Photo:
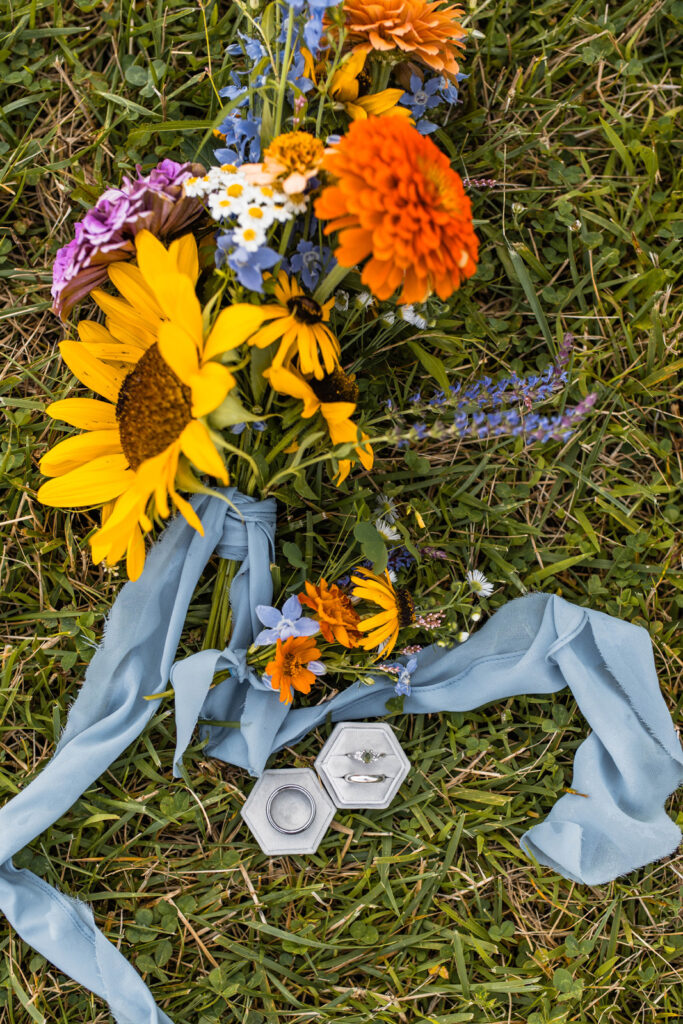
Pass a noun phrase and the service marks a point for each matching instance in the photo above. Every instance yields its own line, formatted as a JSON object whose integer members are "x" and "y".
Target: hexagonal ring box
{"x": 362, "y": 765}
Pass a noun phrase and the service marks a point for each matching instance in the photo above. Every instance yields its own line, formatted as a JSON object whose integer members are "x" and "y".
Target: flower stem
{"x": 284, "y": 71}
{"x": 330, "y": 282}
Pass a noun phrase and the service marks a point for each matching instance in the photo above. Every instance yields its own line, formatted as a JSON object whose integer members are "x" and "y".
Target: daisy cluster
{"x": 251, "y": 209}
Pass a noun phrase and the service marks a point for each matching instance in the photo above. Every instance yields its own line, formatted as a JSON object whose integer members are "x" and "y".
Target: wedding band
{"x": 366, "y": 756}
{"x": 290, "y": 809}
{"x": 365, "y": 778}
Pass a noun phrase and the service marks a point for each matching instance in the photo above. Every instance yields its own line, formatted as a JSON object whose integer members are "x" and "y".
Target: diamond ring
{"x": 366, "y": 756}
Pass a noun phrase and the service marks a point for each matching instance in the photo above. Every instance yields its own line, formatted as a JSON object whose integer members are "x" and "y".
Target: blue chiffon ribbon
{"x": 623, "y": 772}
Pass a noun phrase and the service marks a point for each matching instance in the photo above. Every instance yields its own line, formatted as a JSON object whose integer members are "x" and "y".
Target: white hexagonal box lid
{"x": 288, "y": 811}
{"x": 362, "y": 764}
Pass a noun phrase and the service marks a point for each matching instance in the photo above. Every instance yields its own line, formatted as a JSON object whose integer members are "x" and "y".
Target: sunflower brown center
{"x": 305, "y": 309}
{"x": 405, "y": 606}
{"x": 335, "y": 387}
{"x": 153, "y": 408}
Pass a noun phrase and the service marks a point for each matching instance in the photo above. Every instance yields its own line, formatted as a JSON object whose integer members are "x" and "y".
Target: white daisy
{"x": 386, "y": 507}
{"x": 479, "y": 583}
{"x": 411, "y": 317}
{"x": 386, "y": 530}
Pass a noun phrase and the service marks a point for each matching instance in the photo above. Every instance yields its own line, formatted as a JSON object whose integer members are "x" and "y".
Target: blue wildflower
{"x": 282, "y": 625}
{"x": 310, "y": 261}
{"x": 248, "y": 266}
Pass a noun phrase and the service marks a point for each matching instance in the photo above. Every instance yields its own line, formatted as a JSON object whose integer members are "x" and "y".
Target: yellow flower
{"x": 157, "y": 375}
{"x": 300, "y": 322}
{"x": 335, "y": 397}
{"x": 289, "y": 162}
{"x": 397, "y": 612}
{"x": 347, "y": 85}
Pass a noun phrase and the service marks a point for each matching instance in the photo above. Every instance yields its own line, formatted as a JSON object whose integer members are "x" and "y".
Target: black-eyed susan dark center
{"x": 153, "y": 408}
{"x": 305, "y": 309}
{"x": 335, "y": 387}
{"x": 405, "y": 606}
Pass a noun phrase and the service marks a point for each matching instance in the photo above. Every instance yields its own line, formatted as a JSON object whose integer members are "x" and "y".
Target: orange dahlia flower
{"x": 423, "y": 28}
{"x": 294, "y": 666}
{"x": 334, "y": 613}
{"x": 396, "y": 199}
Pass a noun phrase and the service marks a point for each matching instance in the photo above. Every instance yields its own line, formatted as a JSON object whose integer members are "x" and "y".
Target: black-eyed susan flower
{"x": 398, "y": 610}
{"x": 351, "y": 84}
{"x": 157, "y": 374}
{"x": 334, "y": 396}
{"x": 300, "y": 323}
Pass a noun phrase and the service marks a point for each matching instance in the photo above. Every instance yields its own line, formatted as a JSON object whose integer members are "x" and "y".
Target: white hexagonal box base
{"x": 288, "y": 811}
{"x": 362, "y": 764}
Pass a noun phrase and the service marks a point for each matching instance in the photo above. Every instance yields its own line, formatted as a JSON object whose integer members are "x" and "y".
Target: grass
{"x": 571, "y": 107}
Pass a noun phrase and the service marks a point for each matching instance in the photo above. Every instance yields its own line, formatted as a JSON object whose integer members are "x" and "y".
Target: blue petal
{"x": 291, "y": 609}
{"x": 266, "y": 637}
{"x": 307, "y": 627}
{"x": 317, "y": 668}
{"x": 268, "y": 616}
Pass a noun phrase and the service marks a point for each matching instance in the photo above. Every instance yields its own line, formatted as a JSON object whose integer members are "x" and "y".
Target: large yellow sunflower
{"x": 156, "y": 372}
{"x": 301, "y": 323}
{"x": 398, "y": 610}
{"x": 334, "y": 396}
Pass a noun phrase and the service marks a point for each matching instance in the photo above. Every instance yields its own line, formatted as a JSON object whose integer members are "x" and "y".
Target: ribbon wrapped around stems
{"x": 627, "y": 767}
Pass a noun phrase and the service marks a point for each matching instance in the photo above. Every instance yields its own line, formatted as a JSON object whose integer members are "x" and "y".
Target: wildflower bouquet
{"x": 222, "y": 347}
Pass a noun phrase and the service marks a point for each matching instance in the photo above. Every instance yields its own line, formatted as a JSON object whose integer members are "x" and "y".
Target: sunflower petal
{"x": 128, "y": 280}
{"x": 76, "y": 451}
{"x": 197, "y": 445}
{"x": 184, "y": 253}
{"x": 101, "y": 480}
{"x": 96, "y": 375}
{"x": 178, "y": 350}
{"x": 84, "y": 413}
{"x": 233, "y": 326}
{"x": 209, "y": 388}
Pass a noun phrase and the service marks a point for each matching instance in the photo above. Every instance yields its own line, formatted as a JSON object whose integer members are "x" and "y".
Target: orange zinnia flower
{"x": 397, "y": 200}
{"x": 294, "y": 666}
{"x": 422, "y": 28}
{"x": 334, "y": 613}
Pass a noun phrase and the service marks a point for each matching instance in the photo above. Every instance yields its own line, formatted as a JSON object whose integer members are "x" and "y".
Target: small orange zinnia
{"x": 334, "y": 612}
{"x": 397, "y": 200}
{"x": 294, "y": 666}
{"x": 425, "y": 29}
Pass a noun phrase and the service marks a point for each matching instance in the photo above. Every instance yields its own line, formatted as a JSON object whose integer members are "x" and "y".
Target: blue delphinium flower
{"x": 310, "y": 261}
{"x": 281, "y": 625}
{"x": 403, "y": 687}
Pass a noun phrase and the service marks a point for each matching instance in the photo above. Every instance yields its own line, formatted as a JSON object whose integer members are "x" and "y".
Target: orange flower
{"x": 423, "y": 28}
{"x": 336, "y": 616}
{"x": 397, "y": 200}
{"x": 290, "y": 161}
{"x": 294, "y": 667}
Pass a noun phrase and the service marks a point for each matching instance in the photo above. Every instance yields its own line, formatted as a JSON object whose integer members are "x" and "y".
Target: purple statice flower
{"x": 248, "y": 266}
{"x": 281, "y": 625}
{"x": 105, "y": 234}
{"x": 310, "y": 261}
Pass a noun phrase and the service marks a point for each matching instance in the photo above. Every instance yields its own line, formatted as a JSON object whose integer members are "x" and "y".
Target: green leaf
{"x": 292, "y": 553}
{"x": 372, "y": 545}
{"x": 431, "y": 363}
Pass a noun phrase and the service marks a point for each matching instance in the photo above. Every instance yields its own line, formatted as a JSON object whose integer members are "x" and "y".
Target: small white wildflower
{"x": 411, "y": 317}
{"x": 386, "y": 508}
{"x": 461, "y": 637}
{"x": 364, "y": 300}
{"x": 386, "y": 530}
{"x": 250, "y": 237}
{"x": 475, "y": 616}
{"x": 479, "y": 583}
{"x": 389, "y": 317}
{"x": 392, "y": 575}
{"x": 341, "y": 301}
